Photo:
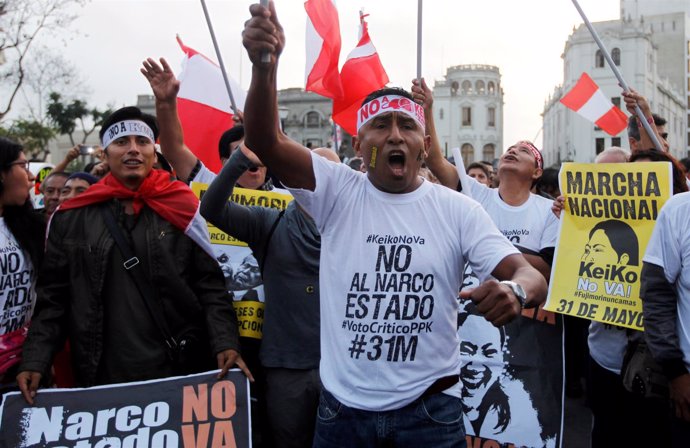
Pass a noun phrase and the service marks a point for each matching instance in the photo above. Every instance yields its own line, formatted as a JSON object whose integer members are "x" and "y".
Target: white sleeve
{"x": 204, "y": 175}
{"x": 331, "y": 179}
{"x": 483, "y": 245}
{"x": 549, "y": 237}
{"x": 663, "y": 248}
{"x": 479, "y": 191}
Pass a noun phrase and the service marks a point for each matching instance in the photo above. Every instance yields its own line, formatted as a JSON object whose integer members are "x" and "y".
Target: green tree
{"x": 33, "y": 135}
{"x": 66, "y": 116}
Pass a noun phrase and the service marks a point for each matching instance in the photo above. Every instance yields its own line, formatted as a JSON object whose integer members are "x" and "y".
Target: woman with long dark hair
{"x": 22, "y": 232}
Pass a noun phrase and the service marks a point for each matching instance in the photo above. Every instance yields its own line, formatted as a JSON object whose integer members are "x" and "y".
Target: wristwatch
{"x": 518, "y": 291}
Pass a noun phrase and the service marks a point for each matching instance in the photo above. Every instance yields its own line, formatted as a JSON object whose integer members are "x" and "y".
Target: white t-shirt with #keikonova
{"x": 391, "y": 266}
{"x": 531, "y": 227}
{"x": 669, "y": 248}
{"x": 17, "y": 284}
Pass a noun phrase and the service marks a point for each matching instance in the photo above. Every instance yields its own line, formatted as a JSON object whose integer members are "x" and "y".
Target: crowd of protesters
{"x": 115, "y": 279}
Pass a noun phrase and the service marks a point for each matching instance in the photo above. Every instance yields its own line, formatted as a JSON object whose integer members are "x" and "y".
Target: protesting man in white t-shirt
{"x": 666, "y": 306}
{"x": 526, "y": 220}
{"x": 393, "y": 248}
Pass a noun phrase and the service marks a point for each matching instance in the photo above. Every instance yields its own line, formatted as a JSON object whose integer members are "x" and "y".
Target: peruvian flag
{"x": 587, "y": 99}
{"x": 361, "y": 74}
{"x": 323, "y": 49}
{"x": 204, "y": 105}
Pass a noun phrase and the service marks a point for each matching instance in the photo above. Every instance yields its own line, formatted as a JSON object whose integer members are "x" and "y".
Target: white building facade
{"x": 647, "y": 66}
{"x": 468, "y": 112}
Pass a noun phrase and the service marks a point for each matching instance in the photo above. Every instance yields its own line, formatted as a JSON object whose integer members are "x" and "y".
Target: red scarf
{"x": 171, "y": 199}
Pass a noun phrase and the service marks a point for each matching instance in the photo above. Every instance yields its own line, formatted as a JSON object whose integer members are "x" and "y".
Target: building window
{"x": 312, "y": 120}
{"x": 440, "y": 114}
{"x": 616, "y": 56}
{"x": 466, "y": 87}
{"x": 616, "y": 141}
{"x": 491, "y": 88}
{"x": 467, "y": 153}
{"x": 599, "y": 145}
{"x": 489, "y": 152}
{"x": 480, "y": 87}
{"x": 598, "y": 59}
{"x": 492, "y": 117}
{"x": 467, "y": 116}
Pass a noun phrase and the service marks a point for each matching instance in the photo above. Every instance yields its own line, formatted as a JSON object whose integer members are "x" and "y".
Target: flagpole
{"x": 617, "y": 73}
{"x": 220, "y": 58}
{"x": 419, "y": 40}
{"x": 265, "y": 57}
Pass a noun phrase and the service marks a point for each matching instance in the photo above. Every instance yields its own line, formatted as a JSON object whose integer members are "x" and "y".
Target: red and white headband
{"x": 390, "y": 103}
{"x": 533, "y": 149}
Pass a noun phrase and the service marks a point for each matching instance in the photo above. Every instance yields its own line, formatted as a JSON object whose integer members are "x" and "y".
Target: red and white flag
{"x": 361, "y": 74}
{"x": 587, "y": 99}
{"x": 204, "y": 105}
{"x": 323, "y": 49}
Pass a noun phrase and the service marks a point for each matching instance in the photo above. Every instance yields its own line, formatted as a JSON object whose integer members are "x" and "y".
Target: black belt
{"x": 440, "y": 385}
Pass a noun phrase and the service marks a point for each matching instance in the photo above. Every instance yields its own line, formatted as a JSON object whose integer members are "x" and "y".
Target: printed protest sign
{"x": 512, "y": 377}
{"x": 240, "y": 268}
{"x": 610, "y": 212}
{"x": 190, "y": 412}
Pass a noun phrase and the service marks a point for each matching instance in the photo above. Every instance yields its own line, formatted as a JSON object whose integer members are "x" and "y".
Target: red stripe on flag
{"x": 324, "y": 78}
{"x": 613, "y": 122}
{"x": 580, "y": 93}
{"x": 360, "y": 76}
{"x": 203, "y": 126}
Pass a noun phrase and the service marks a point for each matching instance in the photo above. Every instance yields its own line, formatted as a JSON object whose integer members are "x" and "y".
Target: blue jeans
{"x": 433, "y": 421}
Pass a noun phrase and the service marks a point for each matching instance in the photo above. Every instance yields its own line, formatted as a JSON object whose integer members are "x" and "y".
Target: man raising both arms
{"x": 393, "y": 250}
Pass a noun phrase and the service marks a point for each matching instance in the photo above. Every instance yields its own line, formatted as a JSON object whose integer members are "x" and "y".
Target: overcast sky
{"x": 524, "y": 38}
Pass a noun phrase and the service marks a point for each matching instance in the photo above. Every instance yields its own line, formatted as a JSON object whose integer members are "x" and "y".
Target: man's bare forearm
{"x": 171, "y": 139}
{"x": 261, "y": 113}
{"x": 442, "y": 169}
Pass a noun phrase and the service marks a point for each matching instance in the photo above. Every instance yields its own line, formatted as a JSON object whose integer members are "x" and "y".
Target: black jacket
{"x": 190, "y": 288}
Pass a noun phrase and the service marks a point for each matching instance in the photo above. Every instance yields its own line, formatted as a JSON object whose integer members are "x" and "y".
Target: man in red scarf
{"x": 118, "y": 330}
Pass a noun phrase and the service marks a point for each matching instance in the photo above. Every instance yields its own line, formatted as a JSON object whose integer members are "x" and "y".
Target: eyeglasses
{"x": 23, "y": 163}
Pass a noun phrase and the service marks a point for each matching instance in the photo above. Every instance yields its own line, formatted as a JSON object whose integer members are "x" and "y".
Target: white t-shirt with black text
{"x": 669, "y": 248}
{"x": 17, "y": 284}
{"x": 391, "y": 266}
{"x": 531, "y": 227}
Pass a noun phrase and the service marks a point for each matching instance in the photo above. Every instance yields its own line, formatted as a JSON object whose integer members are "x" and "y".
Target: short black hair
{"x": 130, "y": 113}
{"x": 680, "y": 184}
{"x": 479, "y": 165}
{"x": 231, "y": 135}
{"x": 387, "y": 91}
{"x": 634, "y": 130}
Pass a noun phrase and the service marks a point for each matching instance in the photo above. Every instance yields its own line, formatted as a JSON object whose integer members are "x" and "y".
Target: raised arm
{"x": 632, "y": 98}
{"x": 240, "y": 221}
{"x": 165, "y": 87}
{"x": 443, "y": 169}
{"x": 69, "y": 157}
{"x": 289, "y": 160}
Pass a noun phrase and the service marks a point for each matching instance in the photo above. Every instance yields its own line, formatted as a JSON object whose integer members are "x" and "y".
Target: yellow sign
{"x": 239, "y": 266}
{"x": 250, "y": 318}
{"x": 610, "y": 212}
{"x": 242, "y": 196}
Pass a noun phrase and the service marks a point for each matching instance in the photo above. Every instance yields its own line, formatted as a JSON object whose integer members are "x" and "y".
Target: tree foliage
{"x": 33, "y": 135}
{"x": 22, "y": 22}
{"x": 68, "y": 117}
